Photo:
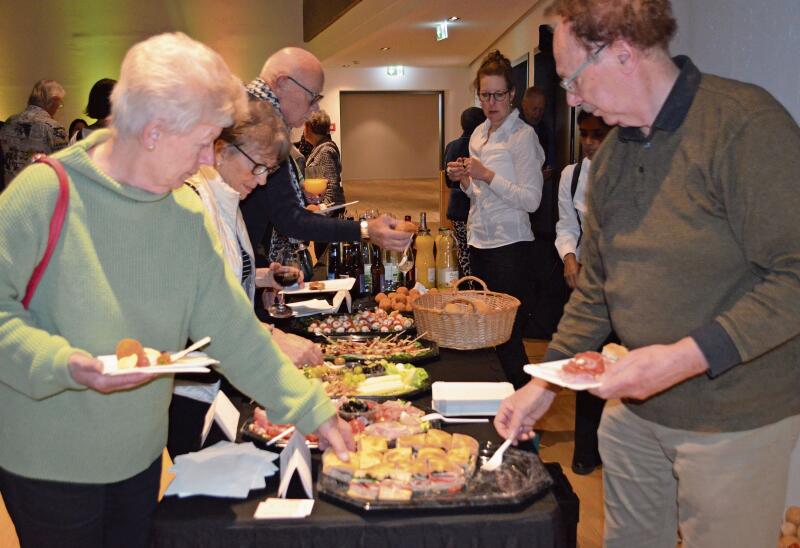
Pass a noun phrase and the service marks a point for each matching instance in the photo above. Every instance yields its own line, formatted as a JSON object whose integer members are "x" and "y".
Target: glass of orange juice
{"x": 315, "y": 183}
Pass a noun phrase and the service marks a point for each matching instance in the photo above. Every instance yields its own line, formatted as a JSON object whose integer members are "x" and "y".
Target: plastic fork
{"x": 439, "y": 416}
{"x": 497, "y": 459}
{"x": 178, "y": 355}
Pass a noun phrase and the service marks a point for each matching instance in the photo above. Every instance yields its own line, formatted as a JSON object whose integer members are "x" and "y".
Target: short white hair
{"x": 180, "y": 82}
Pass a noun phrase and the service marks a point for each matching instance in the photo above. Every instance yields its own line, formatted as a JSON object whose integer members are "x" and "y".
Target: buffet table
{"x": 548, "y": 521}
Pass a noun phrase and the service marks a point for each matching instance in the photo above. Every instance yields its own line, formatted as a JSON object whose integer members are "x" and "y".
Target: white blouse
{"x": 498, "y": 213}
{"x": 570, "y": 210}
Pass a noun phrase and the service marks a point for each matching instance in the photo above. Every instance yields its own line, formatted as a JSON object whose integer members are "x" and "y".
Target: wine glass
{"x": 407, "y": 260}
{"x": 286, "y": 276}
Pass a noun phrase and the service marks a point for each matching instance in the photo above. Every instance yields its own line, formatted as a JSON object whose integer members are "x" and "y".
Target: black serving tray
{"x": 299, "y": 326}
{"x": 521, "y": 477}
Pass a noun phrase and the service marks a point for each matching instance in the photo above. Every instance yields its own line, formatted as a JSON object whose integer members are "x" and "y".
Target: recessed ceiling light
{"x": 345, "y": 66}
{"x": 385, "y": 48}
{"x": 454, "y": 18}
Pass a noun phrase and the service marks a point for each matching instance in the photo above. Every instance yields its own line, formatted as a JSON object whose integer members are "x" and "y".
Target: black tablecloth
{"x": 548, "y": 521}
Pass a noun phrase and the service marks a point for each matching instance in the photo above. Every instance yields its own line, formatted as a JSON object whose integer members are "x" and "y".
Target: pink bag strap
{"x": 56, "y": 223}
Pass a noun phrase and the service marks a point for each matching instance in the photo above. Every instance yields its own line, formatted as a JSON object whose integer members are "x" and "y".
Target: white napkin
{"x": 295, "y": 457}
{"x": 222, "y": 470}
{"x": 311, "y": 306}
{"x": 273, "y": 508}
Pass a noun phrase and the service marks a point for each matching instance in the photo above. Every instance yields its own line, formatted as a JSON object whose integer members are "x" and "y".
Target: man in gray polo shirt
{"x": 692, "y": 252}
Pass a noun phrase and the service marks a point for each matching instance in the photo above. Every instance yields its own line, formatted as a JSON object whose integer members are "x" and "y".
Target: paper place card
{"x": 274, "y": 508}
{"x": 225, "y": 414}
{"x": 340, "y": 296}
{"x": 295, "y": 457}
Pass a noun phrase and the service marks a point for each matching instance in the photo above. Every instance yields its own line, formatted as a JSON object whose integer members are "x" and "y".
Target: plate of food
{"x": 260, "y": 429}
{"x": 132, "y": 357}
{"x": 583, "y": 371}
{"x": 372, "y": 379}
{"x": 390, "y": 419}
{"x": 394, "y": 348}
{"x": 434, "y": 470}
{"x": 366, "y": 322}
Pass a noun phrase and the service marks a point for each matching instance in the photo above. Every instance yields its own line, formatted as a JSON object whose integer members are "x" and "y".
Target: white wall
{"x": 756, "y": 42}
{"x": 453, "y": 81}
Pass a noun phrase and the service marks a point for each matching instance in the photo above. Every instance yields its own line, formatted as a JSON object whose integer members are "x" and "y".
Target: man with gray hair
{"x": 292, "y": 80}
{"x": 691, "y": 253}
{"x": 33, "y": 130}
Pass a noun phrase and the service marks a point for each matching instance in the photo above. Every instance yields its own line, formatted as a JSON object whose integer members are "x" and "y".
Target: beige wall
{"x": 453, "y": 81}
{"x": 391, "y": 135}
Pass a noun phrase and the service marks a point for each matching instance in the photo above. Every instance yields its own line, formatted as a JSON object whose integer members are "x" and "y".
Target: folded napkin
{"x": 223, "y": 470}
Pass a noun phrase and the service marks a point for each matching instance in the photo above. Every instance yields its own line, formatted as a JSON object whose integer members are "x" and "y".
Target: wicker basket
{"x": 470, "y": 330}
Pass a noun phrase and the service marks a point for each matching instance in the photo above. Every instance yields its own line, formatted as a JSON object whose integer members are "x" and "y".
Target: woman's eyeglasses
{"x": 258, "y": 168}
{"x": 498, "y": 96}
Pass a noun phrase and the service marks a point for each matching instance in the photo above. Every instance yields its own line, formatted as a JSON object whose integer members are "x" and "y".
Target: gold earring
{"x": 151, "y": 147}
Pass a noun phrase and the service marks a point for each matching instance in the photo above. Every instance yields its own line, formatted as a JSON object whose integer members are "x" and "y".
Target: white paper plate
{"x": 331, "y": 286}
{"x": 553, "y": 372}
{"x": 196, "y": 362}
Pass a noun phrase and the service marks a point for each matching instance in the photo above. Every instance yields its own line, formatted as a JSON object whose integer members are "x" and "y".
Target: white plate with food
{"x": 132, "y": 357}
{"x": 553, "y": 372}
{"x": 323, "y": 286}
{"x": 583, "y": 371}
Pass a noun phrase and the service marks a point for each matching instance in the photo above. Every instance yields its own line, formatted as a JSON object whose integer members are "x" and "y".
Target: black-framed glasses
{"x": 568, "y": 84}
{"x": 315, "y": 97}
{"x": 498, "y": 96}
{"x": 258, "y": 168}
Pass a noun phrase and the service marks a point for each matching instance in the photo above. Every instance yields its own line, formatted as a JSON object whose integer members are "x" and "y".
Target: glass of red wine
{"x": 287, "y": 275}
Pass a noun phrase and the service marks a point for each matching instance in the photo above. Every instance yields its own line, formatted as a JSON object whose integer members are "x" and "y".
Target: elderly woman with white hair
{"x": 324, "y": 158}
{"x": 80, "y": 451}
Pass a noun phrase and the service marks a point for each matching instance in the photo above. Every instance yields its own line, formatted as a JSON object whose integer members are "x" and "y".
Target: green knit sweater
{"x": 128, "y": 264}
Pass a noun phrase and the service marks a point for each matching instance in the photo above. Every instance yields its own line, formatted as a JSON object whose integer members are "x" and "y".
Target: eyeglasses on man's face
{"x": 498, "y": 96}
{"x": 315, "y": 97}
{"x": 568, "y": 84}
{"x": 258, "y": 168}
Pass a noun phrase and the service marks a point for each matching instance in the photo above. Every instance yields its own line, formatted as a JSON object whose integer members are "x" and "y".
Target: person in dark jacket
{"x": 458, "y": 206}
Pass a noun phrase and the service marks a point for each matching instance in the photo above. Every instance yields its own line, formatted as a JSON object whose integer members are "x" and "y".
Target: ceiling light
{"x": 454, "y": 18}
{"x": 385, "y": 48}
{"x": 441, "y": 31}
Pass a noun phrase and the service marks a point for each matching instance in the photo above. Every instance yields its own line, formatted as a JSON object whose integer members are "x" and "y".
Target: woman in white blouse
{"x": 503, "y": 179}
{"x": 572, "y": 196}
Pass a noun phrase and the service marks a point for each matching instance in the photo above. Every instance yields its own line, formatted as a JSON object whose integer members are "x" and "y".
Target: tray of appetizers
{"x": 394, "y": 348}
{"x": 374, "y": 379}
{"x": 365, "y": 322}
{"x": 430, "y": 471}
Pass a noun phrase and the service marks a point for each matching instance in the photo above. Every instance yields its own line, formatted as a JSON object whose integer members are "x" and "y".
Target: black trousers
{"x": 507, "y": 269}
{"x": 80, "y": 515}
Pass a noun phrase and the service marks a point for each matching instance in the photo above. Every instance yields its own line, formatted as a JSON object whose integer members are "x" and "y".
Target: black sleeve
{"x": 275, "y": 204}
{"x": 452, "y": 152}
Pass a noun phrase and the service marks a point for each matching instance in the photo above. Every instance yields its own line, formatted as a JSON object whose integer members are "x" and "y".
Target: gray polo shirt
{"x": 693, "y": 230}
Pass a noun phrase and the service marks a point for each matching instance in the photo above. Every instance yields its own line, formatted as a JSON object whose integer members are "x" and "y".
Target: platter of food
{"x": 376, "y": 379}
{"x": 434, "y": 470}
{"x": 390, "y": 420}
{"x": 132, "y": 357}
{"x": 366, "y": 322}
{"x": 583, "y": 371}
{"x": 393, "y": 348}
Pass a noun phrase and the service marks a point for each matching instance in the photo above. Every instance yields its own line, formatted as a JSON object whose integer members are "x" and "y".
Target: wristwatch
{"x": 364, "y": 229}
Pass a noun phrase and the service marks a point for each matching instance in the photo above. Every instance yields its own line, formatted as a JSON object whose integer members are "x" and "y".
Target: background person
{"x": 75, "y": 126}
{"x": 458, "y": 205}
{"x": 572, "y": 209}
{"x": 98, "y": 107}
{"x": 695, "y": 263}
{"x": 503, "y": 179}
{"x": 324, "y": 156}
{"x": 291, "y": 81}
{"x": 154, "y": 271}
{"x": 34, "y": 130}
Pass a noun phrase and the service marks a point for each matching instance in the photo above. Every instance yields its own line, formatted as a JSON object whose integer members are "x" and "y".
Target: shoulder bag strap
{"x": 576, "y": 173}
{"x": 56, "y": 223}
